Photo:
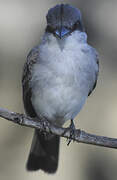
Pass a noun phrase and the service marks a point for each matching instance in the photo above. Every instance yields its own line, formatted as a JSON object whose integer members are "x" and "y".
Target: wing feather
{"x": 96, "y": 58}
{"x": 26, "y": 78}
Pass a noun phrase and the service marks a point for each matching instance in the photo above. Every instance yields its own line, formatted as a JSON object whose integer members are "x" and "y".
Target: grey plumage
{"x": 58, "y": 76}
{"x": 65, "y": 14}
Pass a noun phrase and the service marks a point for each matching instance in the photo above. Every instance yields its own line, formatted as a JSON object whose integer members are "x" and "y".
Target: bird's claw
{"x": 72, "y": 132}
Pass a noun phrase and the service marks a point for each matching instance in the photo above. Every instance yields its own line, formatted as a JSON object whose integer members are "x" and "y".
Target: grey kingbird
{"x": 58, "y": 76}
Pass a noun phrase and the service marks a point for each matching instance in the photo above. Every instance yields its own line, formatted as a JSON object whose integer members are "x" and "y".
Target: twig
{"x": 43, "y": 125}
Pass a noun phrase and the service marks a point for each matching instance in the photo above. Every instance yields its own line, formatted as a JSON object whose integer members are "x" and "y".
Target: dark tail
{"x": 44, "y": 153}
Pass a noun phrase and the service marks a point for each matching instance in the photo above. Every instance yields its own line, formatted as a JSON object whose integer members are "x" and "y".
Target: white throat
{"x": 67, "y": 41}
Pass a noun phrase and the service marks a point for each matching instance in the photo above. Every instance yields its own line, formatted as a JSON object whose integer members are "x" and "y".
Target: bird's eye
{"x": 50, "y": 29}
{"x": 78, "y": 26}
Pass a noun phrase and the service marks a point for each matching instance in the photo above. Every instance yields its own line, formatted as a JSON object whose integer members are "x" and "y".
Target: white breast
{"x": 61, "y": 79}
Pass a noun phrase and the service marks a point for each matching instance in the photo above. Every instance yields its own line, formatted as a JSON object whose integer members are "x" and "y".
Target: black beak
{"x": 61, "y": 32}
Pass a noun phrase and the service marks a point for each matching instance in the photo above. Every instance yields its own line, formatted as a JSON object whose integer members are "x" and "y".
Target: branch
{"x": 42, "y": 124}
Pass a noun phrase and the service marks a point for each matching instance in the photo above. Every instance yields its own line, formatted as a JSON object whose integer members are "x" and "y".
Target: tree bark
{"x": 43, "y": 125}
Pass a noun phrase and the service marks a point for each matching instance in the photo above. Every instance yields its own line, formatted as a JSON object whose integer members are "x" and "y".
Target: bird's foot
{"x": 45, "y": 125}
{"x": 72, "y": 132}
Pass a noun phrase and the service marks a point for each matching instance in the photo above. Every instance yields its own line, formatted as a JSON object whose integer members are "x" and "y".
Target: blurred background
{"x": 22, "y": 23}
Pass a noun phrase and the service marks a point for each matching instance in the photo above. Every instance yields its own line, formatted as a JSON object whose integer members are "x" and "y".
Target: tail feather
{"x": 44, "y": 153}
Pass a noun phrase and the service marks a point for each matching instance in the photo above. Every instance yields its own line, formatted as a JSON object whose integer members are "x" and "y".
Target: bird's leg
{"x": 72, "y": 131}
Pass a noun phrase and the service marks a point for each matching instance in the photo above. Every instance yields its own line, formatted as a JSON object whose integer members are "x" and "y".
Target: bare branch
{"x": 43, "y": 125}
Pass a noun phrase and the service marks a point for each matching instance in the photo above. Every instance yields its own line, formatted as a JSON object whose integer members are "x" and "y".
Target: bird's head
{"x": 63, "y": 19}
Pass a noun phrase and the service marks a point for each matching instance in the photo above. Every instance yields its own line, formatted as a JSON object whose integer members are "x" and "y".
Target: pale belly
{"x": 59, "y": 103}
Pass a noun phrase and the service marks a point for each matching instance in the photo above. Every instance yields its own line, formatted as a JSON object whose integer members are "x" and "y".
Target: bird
{"x": 58, "y": 76}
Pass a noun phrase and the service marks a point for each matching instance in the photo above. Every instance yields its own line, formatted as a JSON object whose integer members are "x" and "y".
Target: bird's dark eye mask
{"x": 64, "y": 30}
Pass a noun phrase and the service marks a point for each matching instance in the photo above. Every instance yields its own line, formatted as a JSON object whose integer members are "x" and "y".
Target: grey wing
{"x": 96, "y": 59}
{"x": 26, "y": 78}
